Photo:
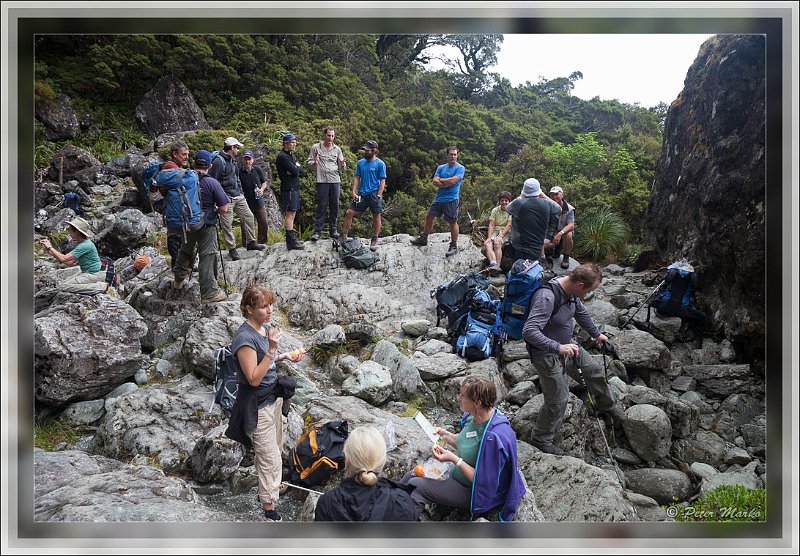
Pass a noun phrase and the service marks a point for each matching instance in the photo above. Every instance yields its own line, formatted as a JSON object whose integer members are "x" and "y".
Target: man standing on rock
{"x": 327, "y": 158}
{"x": 548, "y": 334}
{"x": 447, "y": 179}
{"x": 368, "y": 185}
{"x": 178, "y": 155}
{"x": 562, "y": 241}
{"x": 225, "y": 170}
{"x": 254, "y": 184}
{"x": 213, "y": 201}
{"x": 534, "y": 218}
{"x": 289, "y": 170}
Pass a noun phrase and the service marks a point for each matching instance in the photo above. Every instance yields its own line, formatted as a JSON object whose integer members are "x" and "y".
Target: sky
{"x": 645, "y": 68}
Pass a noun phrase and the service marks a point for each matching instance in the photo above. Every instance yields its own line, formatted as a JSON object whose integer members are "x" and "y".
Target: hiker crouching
{"x": 91, "y": 280}
{"x": 364, "y": 495}
{"x": 548, "y": 336}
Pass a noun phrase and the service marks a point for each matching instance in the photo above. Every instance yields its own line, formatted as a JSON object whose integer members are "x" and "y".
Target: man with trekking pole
{"x": 548, "y": 334}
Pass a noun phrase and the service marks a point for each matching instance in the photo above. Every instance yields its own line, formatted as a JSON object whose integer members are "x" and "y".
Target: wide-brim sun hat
{"x": 531, "y": 188}
{"x": 82, "y": 226}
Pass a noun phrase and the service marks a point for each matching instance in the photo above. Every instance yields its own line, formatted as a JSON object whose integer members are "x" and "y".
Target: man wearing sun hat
{"x": 534, "y": 217}
{"x": 562, "y": 241}
{"x": 91, "y": 280}
{"x": 225, "y": 170}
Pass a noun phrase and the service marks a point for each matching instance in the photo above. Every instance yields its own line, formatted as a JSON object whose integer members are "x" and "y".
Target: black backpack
{"x": 225, "y": 383}
{"x": 450, "y": 298}
{"x": 112, "y": 278}
{"x": 355, "y": 254}
{"x": 318, "y": 454}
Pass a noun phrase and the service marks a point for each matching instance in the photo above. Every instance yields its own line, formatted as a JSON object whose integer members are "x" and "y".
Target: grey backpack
{"x": 355, "y": 254}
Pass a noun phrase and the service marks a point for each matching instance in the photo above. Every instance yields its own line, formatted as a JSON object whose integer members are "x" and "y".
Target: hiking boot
{"x": 494, "y": 269}
{"x": 334, "y": 234}
{"x": 177, "y": 284}
{"x": 548, "y": 448}
{"x": 233, "y": 254}
{"x": 420, "y": 240}
{"x": 315, "y": 236}
{"x": 617, "y": 413}
{"x": 272, "y": 515}
{"x": 292, "y": 242}
{"x": 565, "y": 261}
{"x": 217, "y": 298}
{"x": 253, "y": 246}
{"x": 373, "y": 243}
{"x": 452, "y": 250}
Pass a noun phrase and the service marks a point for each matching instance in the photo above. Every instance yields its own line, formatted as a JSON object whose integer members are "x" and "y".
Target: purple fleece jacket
{"x": 497, "y": 480}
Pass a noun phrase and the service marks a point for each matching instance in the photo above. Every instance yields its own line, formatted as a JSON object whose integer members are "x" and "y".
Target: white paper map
{"x": 426, "y": 427}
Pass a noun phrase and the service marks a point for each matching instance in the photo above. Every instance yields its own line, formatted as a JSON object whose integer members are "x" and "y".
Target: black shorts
{"x": 448, "y": 209}
{"x": 290, "y": 200}
{"x": 369, "y": 201}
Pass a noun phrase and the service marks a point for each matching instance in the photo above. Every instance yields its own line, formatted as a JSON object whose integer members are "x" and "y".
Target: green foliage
{"x": 601, "y": 236}
{"x": 48, "y": 434}
{"x": 320, "y": 354}
{"x": 727, "y": 503}
{"x": 631, "y": 253}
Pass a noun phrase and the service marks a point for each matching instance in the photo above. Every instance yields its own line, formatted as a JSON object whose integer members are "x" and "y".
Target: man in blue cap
{"x": 289, "y": 171}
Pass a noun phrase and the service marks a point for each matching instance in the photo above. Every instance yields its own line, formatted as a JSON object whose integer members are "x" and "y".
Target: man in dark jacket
{"x": 225, "y": 170}
{"x": 535, "y": 217}
{"x": 254, "y": 184}
{"x": 289, "y": 170}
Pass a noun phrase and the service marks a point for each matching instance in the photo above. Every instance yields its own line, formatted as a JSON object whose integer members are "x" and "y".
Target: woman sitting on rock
{"x": 256, "y": 414}
{"x": 485, "y": 474}
{"x": 363, "y": 495}
{"x": 91, "y": 280}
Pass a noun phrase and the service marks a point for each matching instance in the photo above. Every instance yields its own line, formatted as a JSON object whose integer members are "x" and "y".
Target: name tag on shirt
{"x": 472, "y": 434}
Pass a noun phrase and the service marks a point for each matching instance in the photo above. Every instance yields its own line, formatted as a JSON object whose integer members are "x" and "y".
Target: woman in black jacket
{"x": 363, "y": 495}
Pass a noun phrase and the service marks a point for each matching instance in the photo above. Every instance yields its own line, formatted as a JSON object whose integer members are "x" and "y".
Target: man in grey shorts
{"x": 447, "y": 179}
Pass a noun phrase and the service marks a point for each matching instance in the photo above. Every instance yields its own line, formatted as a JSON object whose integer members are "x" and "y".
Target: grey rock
{"x": 522, "y": 392}
{"x": 696, "y": 400}
{"x": 519, "y": 371}
{"x": 122, "y": 390}
{"x": 514, "y": 351}
{"x": 639, "y": 350}
{"x": 437, "y": 333}
{"x": 169, "y": 107}
{"x": 602, "y": 312}
{"x": 625, "y": 456}
{"x": 647, "y": 508}
{"x": 215, "y": 457}
{"x": 341, "y": 367}
{"x": 720, "y": 381}
{"x": 432, "y": 347}
{"x": 737, "y": 455}
{"x": 76, "y": 163}
{"x": 745, "y": 477}
{"x": 140, "y": 378}
{"x": 83, "y": 413}
{"x": 649, "y": 432}
{"x": 726, "y": 352}
{"x": 128, "y": 231}
{"x": 438, "y": 366}
{"x": 703, "y": 470}
{"x": 613, "y": 270}
{"x": 416, "y": 327}
{"x": 59, "y": 118}
{"x": 371, "y": 382}
{"x": 684, "y": 384}
{"x": 702, "y": 446}
{"x": 665, "y": 486}
{"x": 406, "y": 379}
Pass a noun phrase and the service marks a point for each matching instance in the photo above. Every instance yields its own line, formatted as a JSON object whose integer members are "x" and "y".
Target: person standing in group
{"x": 447, "y": 179}
{"x": 548, "y": 336}
{"x": 368, "y": 185}
{"x": 499, "y": 226}
{"x": 213, "y": 201}
{"x": 254, "y": 184}
{"x": 328, "y": 160}
{"x": 225, "y": 170}
{"x": 178, "y": 155}
{"x": 91, "y": 279}
{"x": 534, "y": 217}
{"x": 562, "y": 242}
{"x": 289, "y": 171}
{"x": 256, "y": 414}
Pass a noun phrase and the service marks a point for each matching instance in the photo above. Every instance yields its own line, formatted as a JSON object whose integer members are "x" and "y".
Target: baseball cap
{"x": 289, "y": 137}
{"x": 531, "y": 188}
{"x": 248, "y": 154}
{"x": 232, "y": 142}
{"x": 202, "y": 159}
{"x": 556, "y": 189}
{"x": 370, "y": 145}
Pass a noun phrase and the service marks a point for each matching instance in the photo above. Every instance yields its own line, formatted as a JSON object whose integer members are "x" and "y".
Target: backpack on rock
{"x": 355, "y": 254}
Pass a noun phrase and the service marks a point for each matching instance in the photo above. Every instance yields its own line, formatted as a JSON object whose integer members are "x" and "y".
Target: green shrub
{"x": 727, "y": 503}
{"x": 600, "y": 236}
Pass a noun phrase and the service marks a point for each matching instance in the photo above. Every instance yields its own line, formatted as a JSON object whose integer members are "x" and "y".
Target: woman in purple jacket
{"x": 485, "y": 474}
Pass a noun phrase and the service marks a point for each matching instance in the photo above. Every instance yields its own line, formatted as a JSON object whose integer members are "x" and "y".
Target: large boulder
{"x": 649, "y": 432}
{"x": 709, "y": 190}
{"x": 665, "y": 486}
{"x": 58, "y": 117}
{"x": 72, "y": 162}
{"x": 129, "y": 231}
{"x": 85, "y": 348}
{"x": 169, "y": 107}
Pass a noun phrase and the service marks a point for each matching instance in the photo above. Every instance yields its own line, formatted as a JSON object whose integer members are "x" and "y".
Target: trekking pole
{"x": 301, "y": 488}
{"x": 646, "y": 300}
{"x": 611, "y": 459}
{"x": 221, "y": 259}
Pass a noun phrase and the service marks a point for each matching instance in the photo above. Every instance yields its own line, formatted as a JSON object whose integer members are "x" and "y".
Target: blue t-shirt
{"x": 447, "y": 194}
{"x": 370, "y": 172}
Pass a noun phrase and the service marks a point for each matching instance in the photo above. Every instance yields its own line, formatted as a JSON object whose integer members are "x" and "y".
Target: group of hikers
{"x": 484, "y": 474}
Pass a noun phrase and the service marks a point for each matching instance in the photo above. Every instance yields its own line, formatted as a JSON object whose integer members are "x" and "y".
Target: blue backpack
{"x": 182, "y": 208}
{"x": 149, "y": 190}
{"x": 523, "y": 279}
{"x": 481, "y": 334}
{"x": 71, "y": 200}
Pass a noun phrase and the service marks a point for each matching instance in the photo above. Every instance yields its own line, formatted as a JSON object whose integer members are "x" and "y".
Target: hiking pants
{"x": 239, "y": 206}
{"x": 553, "y": 382}
{"x": 267, "y": 438}
{"x": 327, "y": 194}
{"x": 260, "y": 215}
{"x": 87, "y": 283}
{"x": 174, "y": 243}
{"x": 448, "y": 492}
{"x": 205, "y": 241}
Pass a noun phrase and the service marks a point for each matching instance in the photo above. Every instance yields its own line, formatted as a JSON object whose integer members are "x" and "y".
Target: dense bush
{"x": 727, "y": 503}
